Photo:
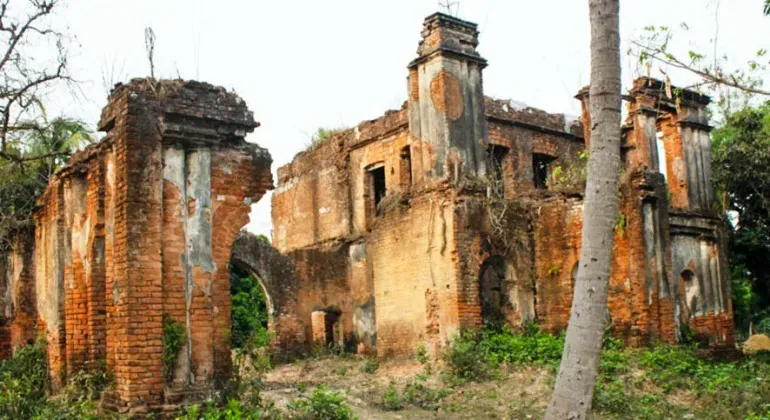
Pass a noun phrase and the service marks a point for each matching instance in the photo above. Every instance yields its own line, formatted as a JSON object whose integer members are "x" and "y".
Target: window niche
{"x": 405, "y": 170}
{"x": 375, "y": 190}
{"x": 541, "y": 169}
{"x": 496, "y": 164}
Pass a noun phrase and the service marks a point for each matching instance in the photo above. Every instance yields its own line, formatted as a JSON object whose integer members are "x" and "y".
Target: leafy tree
{"x": 25, "y": 74}
{"x": 740, "y": 153}
{"x": 248, "y": 313}
{"x": 575, "y": 383}
{"x": 22, "y": 181}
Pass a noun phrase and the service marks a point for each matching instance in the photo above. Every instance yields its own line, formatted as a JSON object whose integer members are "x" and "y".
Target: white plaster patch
{"x": 324, "y": 210}
{"x": 220, "y": 197}
{"x": 173, "y": 166}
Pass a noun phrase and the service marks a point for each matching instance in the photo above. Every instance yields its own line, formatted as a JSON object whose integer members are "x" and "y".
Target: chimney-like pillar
{"x": 446, "y": 100}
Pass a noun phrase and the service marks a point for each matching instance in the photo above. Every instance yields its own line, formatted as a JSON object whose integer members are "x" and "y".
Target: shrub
{"x": 533, "y": 346}
{"x": 391, "y": 399}
{"x": 321, "y": 405}
{"x": 370, "y": 366}
{"x": 422, "y": 396}
{"x": 232, "y": 410}
{"x": 467, "y": 359}
{"x": 23, "y": 382}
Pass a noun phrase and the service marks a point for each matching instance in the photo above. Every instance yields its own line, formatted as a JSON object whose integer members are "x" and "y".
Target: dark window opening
{"x": 406, "y": 167}
{"x": 378, "y": 184}
{"x": 496, "y": 163}
{"x": 374, "y": 192}
{"x": 331, "y": 328}
{"x": 492, "y": 279}
{"x": 540, "y": 169}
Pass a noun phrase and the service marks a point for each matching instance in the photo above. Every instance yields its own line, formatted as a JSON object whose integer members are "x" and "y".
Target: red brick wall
{"x": 116, "y": 243}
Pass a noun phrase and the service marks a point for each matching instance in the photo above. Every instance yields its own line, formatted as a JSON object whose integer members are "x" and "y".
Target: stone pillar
{"x": 446, "y": 101}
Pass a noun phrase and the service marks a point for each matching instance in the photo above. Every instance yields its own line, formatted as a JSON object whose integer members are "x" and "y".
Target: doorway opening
{"x": 492, "y": 279}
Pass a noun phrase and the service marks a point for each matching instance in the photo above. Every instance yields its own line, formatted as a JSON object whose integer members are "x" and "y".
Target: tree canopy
{"x": 740, "y": 156}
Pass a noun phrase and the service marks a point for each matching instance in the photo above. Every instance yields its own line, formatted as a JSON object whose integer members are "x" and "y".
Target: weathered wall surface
{"x": 17, "y": 294}
{"x": 412, "y": 256}
{"x": 480, "y": 214}
{"x": 136, "y": 231}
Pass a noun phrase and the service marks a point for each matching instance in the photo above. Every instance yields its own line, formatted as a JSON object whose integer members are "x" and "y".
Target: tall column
{"x": 446, "y": 100}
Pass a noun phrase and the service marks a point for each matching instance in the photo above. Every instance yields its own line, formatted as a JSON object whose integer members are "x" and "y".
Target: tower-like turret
{"x": 446, "y": 100}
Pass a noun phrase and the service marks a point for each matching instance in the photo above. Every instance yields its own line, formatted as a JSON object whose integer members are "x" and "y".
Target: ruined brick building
{"x": 453, "y": 211}
{"x": 459, "y": 209}
{"x": 133, "y": 232}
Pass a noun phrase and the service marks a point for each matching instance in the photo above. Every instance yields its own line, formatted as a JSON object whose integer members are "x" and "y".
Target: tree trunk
{"x": 574, "y": 390}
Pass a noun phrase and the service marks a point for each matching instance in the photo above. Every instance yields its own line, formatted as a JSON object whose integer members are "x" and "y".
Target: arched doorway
{"x": 250, "y": 309}
{"x": 491, "y": 281}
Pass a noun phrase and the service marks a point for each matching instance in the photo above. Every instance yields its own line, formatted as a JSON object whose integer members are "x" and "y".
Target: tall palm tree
{"x": 574, "y": 389}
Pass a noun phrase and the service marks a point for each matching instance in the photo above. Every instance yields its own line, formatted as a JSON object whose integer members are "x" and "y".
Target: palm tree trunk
{"x": 574, "y": 389}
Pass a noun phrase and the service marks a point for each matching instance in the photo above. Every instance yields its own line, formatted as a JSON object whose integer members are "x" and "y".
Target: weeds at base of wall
{"x": 24, "y": 385}
{"x": 174, "y": 338}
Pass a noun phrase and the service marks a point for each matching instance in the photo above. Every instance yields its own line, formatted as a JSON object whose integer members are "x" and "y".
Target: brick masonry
{"x": 136, "y": 229}
{"x": 407, "y": 272}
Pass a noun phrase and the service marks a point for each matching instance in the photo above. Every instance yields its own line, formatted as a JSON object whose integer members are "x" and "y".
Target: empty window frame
{"x": 541, "y": 169}
{"x": 405, "y": 158}
{"x": 496, "y": 163}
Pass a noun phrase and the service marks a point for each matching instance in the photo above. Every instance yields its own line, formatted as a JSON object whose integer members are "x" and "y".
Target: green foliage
{"x": 24, "y": 383}
{"x": 532, "y": 347}
{"x": 174, "y": 338}
{"x": 620, "y": 224}
{"x": 322, "y": 135}
{"x": 476, "y": 356}
{"x": 264, "y": 239}
{"x": 22, "y": 183}
{"x": 370, "y": 366}
{"x": 391, "y": 399}
{"x": 248, "y": 311}
{"x": 740, "y": 152}
{"x": 639, "y": 383}
{"x": 419, "y": 395}
{"x": 87, "y": 385}
{"x": 423, "y": 358}
{"x": 467, "y": 359}
{"x": 415, "y": 393}
{"x": 321, "y": 405}
{"x": 233, "y": 410}
{"x": 571, "y": 178}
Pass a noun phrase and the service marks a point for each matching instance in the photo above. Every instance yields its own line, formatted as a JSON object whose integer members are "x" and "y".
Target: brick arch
{"x": 275, "y": 274}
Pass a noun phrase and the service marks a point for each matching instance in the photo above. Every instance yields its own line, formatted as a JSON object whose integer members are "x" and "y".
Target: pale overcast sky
{"x": 302, "y": 64}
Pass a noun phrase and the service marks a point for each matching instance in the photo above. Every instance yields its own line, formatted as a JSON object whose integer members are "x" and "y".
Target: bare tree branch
{"x": 21, "y": 79}
{"x": 705, "y": 74}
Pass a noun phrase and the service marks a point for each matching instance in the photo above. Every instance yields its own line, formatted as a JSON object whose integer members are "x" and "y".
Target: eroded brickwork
{"x": 136, "y": 231}
{"x": 459, "y": 210}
